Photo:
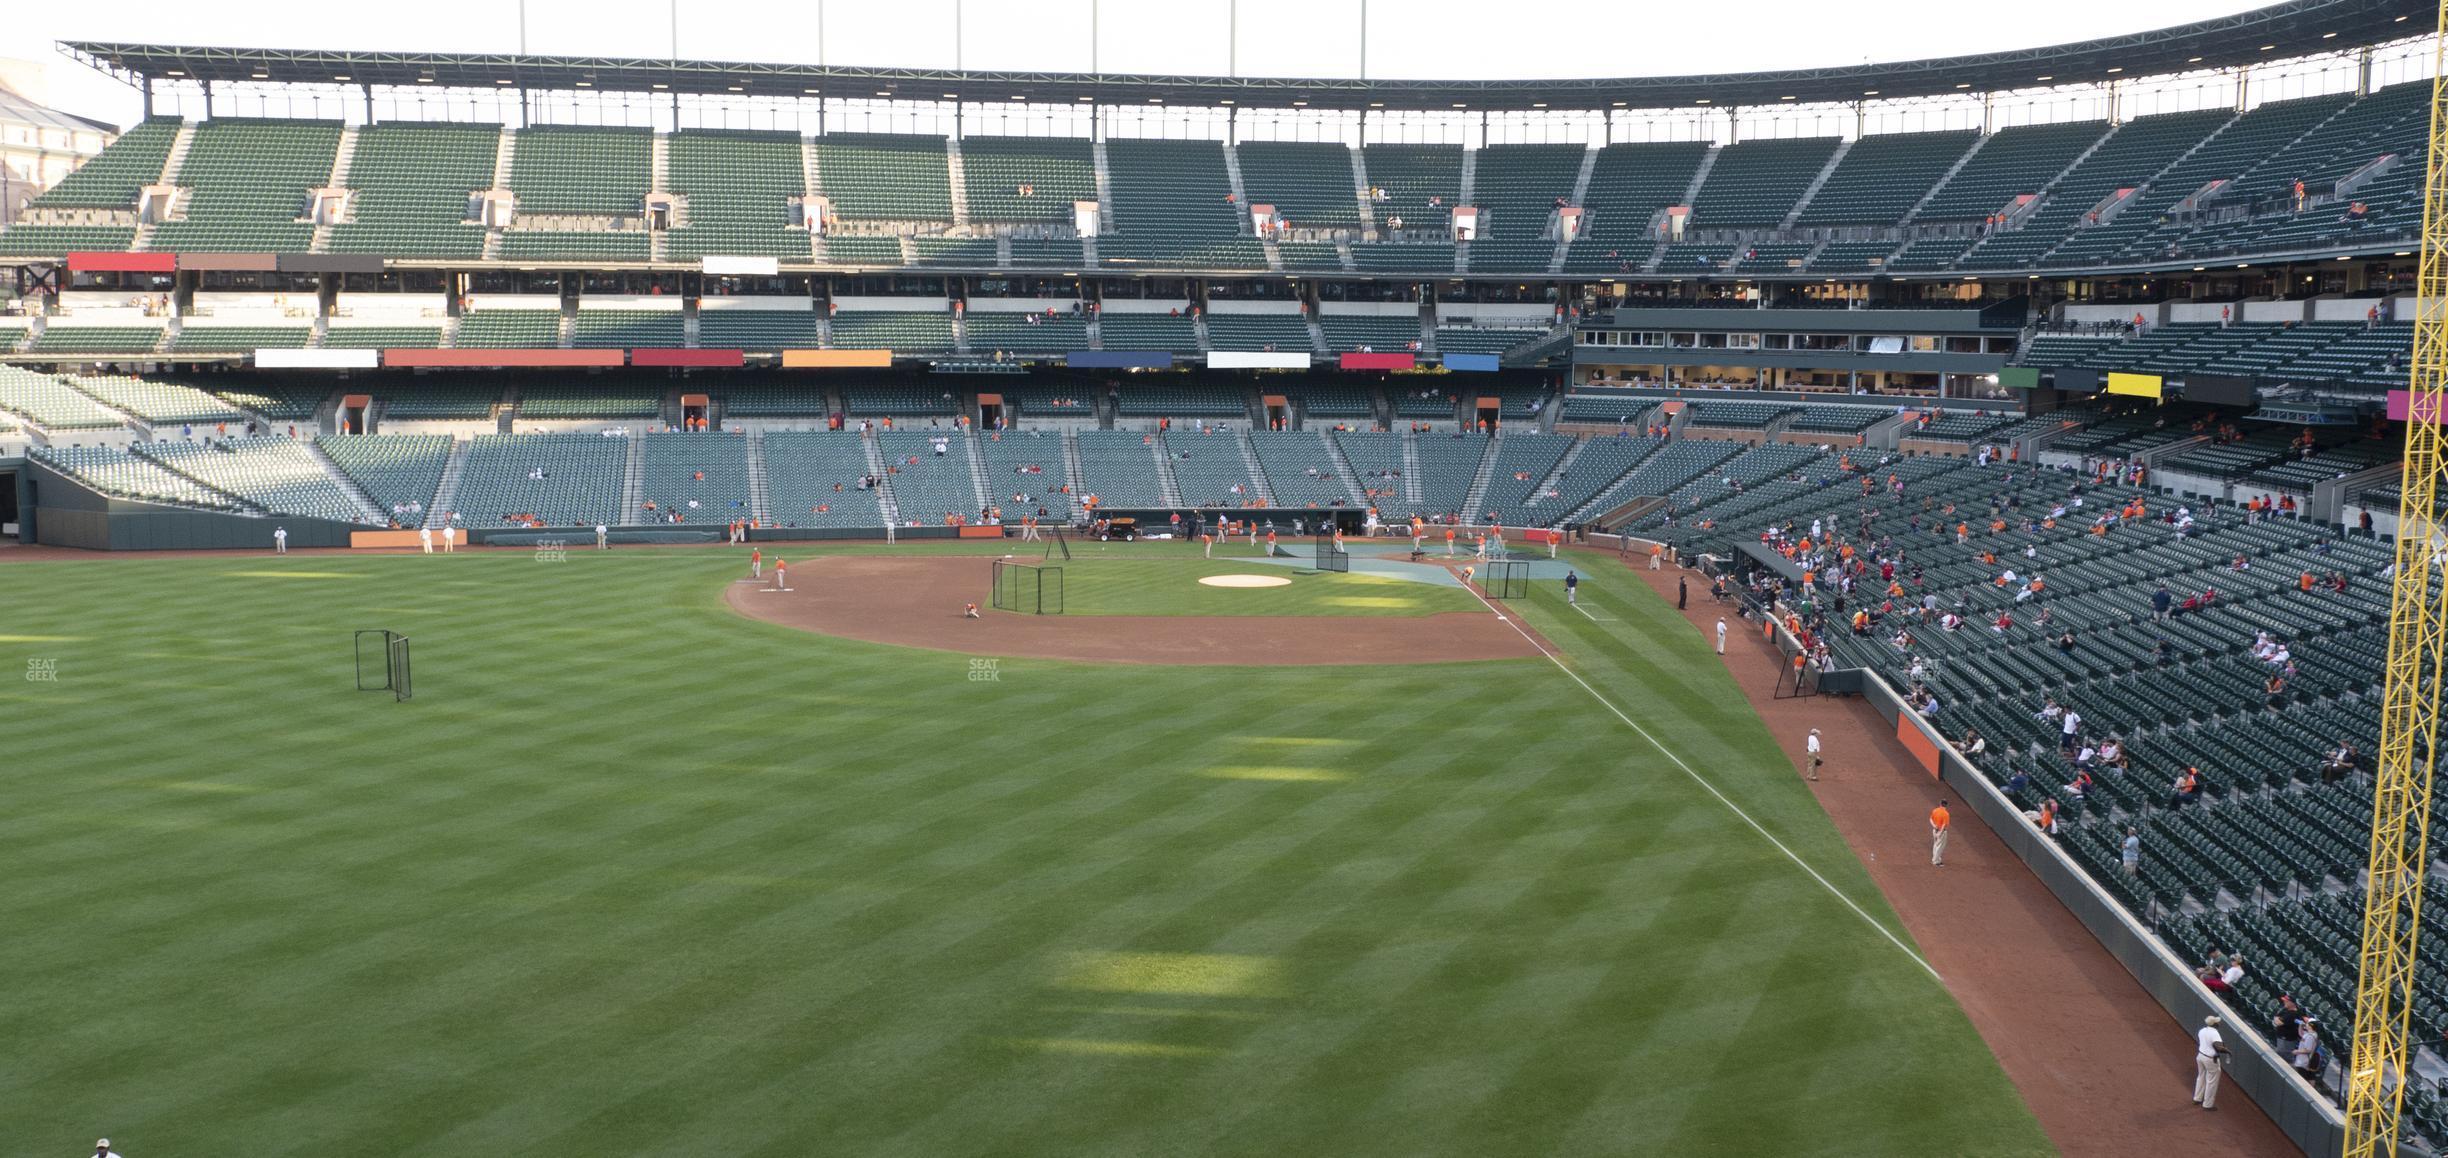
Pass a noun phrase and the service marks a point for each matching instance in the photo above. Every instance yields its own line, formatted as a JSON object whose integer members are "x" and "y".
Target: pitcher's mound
{"x": 1245, "y": 581}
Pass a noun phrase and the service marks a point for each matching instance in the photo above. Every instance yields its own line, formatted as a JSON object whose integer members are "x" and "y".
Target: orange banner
{"x": 835, "y": 359}
{"x": 1918, "y": 743}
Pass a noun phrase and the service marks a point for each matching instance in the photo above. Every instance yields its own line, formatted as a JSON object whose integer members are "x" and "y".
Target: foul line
{"x": 1697, "y": 778}
{"x": 1586, "y": 615}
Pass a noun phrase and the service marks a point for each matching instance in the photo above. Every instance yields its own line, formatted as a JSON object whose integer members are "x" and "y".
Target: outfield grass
{"x": 1169, "y": 586}
{"x": 634, "y": 875}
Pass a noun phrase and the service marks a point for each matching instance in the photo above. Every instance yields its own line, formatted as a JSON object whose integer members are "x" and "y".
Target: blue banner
{"x": 1478, "y": 362}
{"x": 1118, "y": 359}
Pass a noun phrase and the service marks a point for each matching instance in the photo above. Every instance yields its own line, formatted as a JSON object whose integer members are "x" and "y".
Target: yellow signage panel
{"x": 2138, "y": 385}
{"x": 835, "y": 359}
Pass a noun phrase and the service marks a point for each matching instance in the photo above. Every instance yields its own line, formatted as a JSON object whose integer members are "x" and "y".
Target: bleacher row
{"x": 981, "y": 332}
{"x": 2265, "y": 862}
{"x": 2367, "y": 354}
{"x": 814, "y": 477}
{"x": 2156, "y": 189}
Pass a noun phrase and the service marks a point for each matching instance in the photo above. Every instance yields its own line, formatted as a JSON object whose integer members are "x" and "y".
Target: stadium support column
{"x": 1988, "y": 113}
{"x": 2378, "y": 1069}
{"x": 2363, "y": 61}
{"x": 2243, "y": 88}
{"x": 208, "y": 100}
{"x": 148, "y": 86}
{"x": 366, "y": 93}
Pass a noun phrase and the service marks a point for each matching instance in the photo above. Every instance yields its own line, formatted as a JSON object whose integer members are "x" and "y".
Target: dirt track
{"x": 2105, "y": 1069}
{"x": 915, "y": 601}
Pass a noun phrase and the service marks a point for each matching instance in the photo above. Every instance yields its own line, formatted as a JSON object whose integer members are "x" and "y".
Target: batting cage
{"x": 382, "y": 663}
{"x": 1027, "y": 588}
{"x": 1505, "y": 579}
{"x": 1330, "y": 554}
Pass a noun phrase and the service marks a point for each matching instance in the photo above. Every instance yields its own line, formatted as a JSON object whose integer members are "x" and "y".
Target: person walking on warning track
{"x": 1572, "y": 589}
{"x": 1721, "y": 634}
{"x": 425, "y": 537}
{"x": 1657, "y": 555}
{"x": 280, "y": 540}
{"x": 2209, "y": 1053}
{"x": 1940, "y": 821}
{"x": 1810, "y": 749}
{"x": 1682, "y": 593}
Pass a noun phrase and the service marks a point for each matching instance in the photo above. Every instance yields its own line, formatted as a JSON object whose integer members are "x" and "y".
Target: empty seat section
{"x": 1337, "y": 401}
{"x": 582, "y": 169}
{"x": 61, "y": 240}
{"x": 1523, "y": 461}
{"x": 1208, "y": 469}
{"x": 398, "y": 471}
{"x": 1137, "y": 331}
{"x": 795, "y": 329}
{"x": 1629, "y": 185}
{"x": 441, "y": 400}
{"x": 736, "y": 188}
{"x": 963, "y": 252}
{"x": 1480, "y": 340}
{"x": 899, "y": 401}
{"x": 599, "y": 398}
{"x": 1047, "y": 254}
{"x": 772, "y": 399}
{"x": 1310, "y": 183}
{"x": 1534, "y": 255}
{"x": 195, "y": 339}
{"x": 617, "y": 328}
{"x": 1448, "y": 464}
{"x": 922, "y": 331}
{"x": 1403, "y": 257}
{"x": 116, "y": 472}
{"x": 1754, "y": 184}
{"x": 1179, "y": 397}
{"x": 1025, "y": 472}
{"x": 812, "y": 479}
{"x": 1026, "y": 179}
{"x": 283, "y": 402}
{"x": 928, "y": 487}
{"x": 561, "y": 480}
{"x": 1382, "y": 333}
{"x": 279, "y": 475}
{"x": 114, "y": 178}
{"x": 2133, "y": 153}
{"x": 1146, "y": 331}
{"x": 1167, "y": 188}
{"x": 412, "y": 181}
{"x": 52, "y": 403}
{"x": 1882, "y": 177}
{"x": 1422, "y": 185}
{"x": 885, "y": 177}
{"x": 1119, "y": 468}
{"x": 2250, "y": 138}
{"x": 1852, "y": 256}
{"x": 1300, "y": 468}
{"x": 64, "y": 339}
{"x": 1142, "y": 250}
{"x": 1283, "y": 333}
{"x": 524, "y": 244}
{"x": 510, "y": 328}
{"x": 246, "y": 185}
{"x": 154, "y": 401}
{"x": 707, "y": 468}
{"x": 991, "y": 330}
{"x": 1601, "y": 464}
{"x": 1517, "y": 187}
{"x": 1316, "y": 255}
{"x": 2013, "y": 162}
{"x": 339, "y": 337}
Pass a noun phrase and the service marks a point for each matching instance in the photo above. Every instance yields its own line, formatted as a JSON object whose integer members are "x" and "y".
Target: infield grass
{"x": 635, "y": 875}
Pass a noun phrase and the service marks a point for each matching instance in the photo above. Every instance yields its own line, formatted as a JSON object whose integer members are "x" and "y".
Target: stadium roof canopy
{"x": 2278, "y": 32}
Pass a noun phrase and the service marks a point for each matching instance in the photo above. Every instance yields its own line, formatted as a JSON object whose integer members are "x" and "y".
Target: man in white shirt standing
{"x": 425, "y": 537}
{"x": 280, "y": 540}
{"x": 603, "y": 537}
{"x": 1721, "y": 634}
{"x": 1811, "y": 750}
{"x": 2070, "y": 728}
{"x": 2209, "y": 1048}
{"x": 450, "y": 538}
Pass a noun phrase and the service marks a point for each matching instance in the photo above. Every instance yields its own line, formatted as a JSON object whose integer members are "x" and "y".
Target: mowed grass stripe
{"x": 633, "y": 874}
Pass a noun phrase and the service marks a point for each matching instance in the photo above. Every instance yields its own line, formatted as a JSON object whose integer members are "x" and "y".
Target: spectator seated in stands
{"x": 2223, "y": 979}
{"x": 2340, "y": 763}
{"x": 2044, "y": 817}
{"x": 2187, "y": 788}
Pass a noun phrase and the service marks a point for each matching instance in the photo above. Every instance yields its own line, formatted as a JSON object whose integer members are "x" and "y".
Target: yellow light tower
{"x": 2410, "y": 693}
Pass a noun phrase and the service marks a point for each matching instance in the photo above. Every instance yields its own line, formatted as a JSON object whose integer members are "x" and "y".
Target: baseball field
{"x": 658, "y": 862}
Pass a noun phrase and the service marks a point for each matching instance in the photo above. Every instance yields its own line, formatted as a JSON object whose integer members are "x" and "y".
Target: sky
{"x": 1434, "y": 39}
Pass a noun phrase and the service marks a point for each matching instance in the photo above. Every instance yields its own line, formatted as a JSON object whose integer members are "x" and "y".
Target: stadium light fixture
{"x": 1623, "y": 104}
{"x": 1224, "y": 102}
{"x": 1087, "y": 98}
{"x": 175, "y": 72}
{"x": 260, "y": 74}
{"x": 2328, "y": 36}
{"x": 736, "y": 88}
{"x": 340, "y": 76}
{"x": 1963, "y": 84}
{"x": 1543, "y": 104}
{"x": 505, "y": 81}
{"x": 2116, "y": 68}
{"x": 1786, "y": 97}
{"x": 883, "y": 93}
{"x": 1300, "y": 104}
{"x": 1155, "y": 100}
{"x": 657, "y": 84}
{"x": 2267, "y": 47}
{"x": 2193, "y": 60}
{"x": 951, "y": 96}
{"x": 1701, "y": 101}
{"x": 583, "y": 84}
{"x": 1460, "y": 105}
{"x": 2048, "y": 78}
{"x": 1869, "y": 92}
{"x": 810, "y": 91}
